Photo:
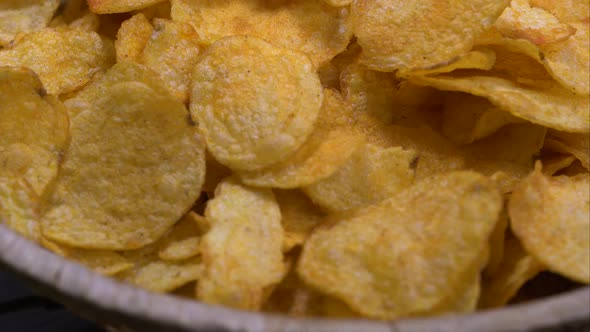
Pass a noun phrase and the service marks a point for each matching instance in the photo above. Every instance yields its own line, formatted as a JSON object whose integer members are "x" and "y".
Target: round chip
{"x": 550, "y": 216}
{"x": 134, "y": 167}
{"x": 255, "y": 104}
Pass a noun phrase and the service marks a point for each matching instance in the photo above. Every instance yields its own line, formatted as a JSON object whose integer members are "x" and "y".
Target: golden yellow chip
{"x": 339, "y": 3}
{"x": 135, "y": 165}
{"x": 577, "y": 145}
{"x": 18, "y": 207}
{"x": 554, "y": 164}
{"x": 550, "y": 217}
{"x": 419, "y": 34}
{"x": 89, "y": 22}
{"x": 298, "y": 216}
{"x": 311, "y": 26}
{"x": 34, "y": 129}
{"x": 255, "y": 104}
{"x": 516, "y": 268}
{"x": 241, "y": 253}
{"x": 463, "y": 301}
{"x": 183, "y": 240}
{"x": 62, "y": 69}
{"x": 481, "y": 58}
{"x": 371, "y": 175}
{"x": 172, "y": 52}
{"x": 133, "y": 37}
{"x": 17, "y": 16}
{"x": 119, "y": 6}
{"x": 378, "y": 259}
{"x": 497, "y": 243}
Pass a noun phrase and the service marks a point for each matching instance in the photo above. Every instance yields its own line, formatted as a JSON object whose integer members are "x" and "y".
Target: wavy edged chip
{"x": 183, "y": 241}
{"x": 299, "y": 216}
{"x": 119, "y": 6}
{"x": 311, "y": 26}
{"x": 255, "y": 103}
{"x": 396, "y": 246}
{"x": 132, "y": 38}
{"x": 134, "y": 167}
{"x": 34, "y": 129}
{"x": 372, "y": 174}
{"x": 62, "y": 69}
{"x": 241, "y": 253}
{"x": 480, "y": 58}
{"x": 419, "y": 34}
{"x": 17, "y": 16}
{"x": 552, "y": 106}
{"x": 18, "y": 207}
{"x": 577, "y": 145}
{"x": 550, "y": 217}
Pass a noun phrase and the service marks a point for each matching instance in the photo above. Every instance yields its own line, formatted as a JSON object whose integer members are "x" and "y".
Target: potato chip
{"x": 34, "y": 129}
{"x": 133, "y": 37}
{"x": 516, "y": 268}
{"x": 497, "y": 244}
{"x": 242, "y": 252}
{"x": 89, "y": 22}
{"x": 554, "y": 164}
{"x": 469, "y": 118}
{"x": 481, "y": 58}
{"x": 18, "y": 207}
{"x": 463, "y": 301}
{"x": 371, "y": 175}
{"x": 577, "y": 145}
{"x": 62, "y": 69}
{"x": 172, "y": 52}
{"x": 419, "y": 34}
{"x": 551, "y": 106}
{"x": 298, "y": 216}
{"x": 134, "y": 167}
{"x": 159, "y": 10}
{"x": 255, "y": 104}
{"x": 119, "y": 6}
{"x": 550, "y": 217}
{"x": 182, "y": 241}
{"x": 397, "y": 245}
{"x": 339, "y": 3}
{"x": 17, "y": 16}
{"x": 311, "y": 26}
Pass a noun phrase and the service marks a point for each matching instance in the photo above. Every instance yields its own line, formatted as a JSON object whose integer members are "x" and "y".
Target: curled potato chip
{"x": 419, "y": 34}
{"x": 133, "y": 37}
{"x": 481, "y": 58}
{"x": 311, "y": 26}
{"x": 577, "y": 145}
{"x": 298, "y": 216}
{"x": 371, "y": 175}
{"x": 62, "y": 69}
{"x": 172, "y": 52}
{"x": 397, "y": 245}
{"x": 17, "y": 16}
{"x": 183, "y": 240}
{"x": 134, "y": 167}
{"x": 515, "y": 269}
{"x": 550, "y": 217}
{"x": 255, "y": 104}
{"x": 119, "y": 6}
{"x": 18, "y": 207}
{"x": 554, "y": 164}
{"x": 469, "y": 118}
{"x": 242, "y": 252}
{"x": 34, "y": 129}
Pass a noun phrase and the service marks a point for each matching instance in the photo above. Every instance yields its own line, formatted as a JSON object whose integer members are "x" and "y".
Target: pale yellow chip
{"x": 299, "y": 216}
{"x": 469, "y": 118}
{"x": 378, "y": 259}
{"x": 516, "y": 268}
{"x": 119, "y": 6}
{"x": 550, "y": 217}
{"x": 241, "y": 253}
{"x": 419, "y": 34}
{"x": 133, "y": 37}
{"x": 255, "y": 103}
{"x": 64, "y": 68}
{"x": 183, "y": 240}
{"x": 18, "y": 16}
{"x": 19, "y": 207}
{"x": 135, "y": 165}
{"x": 311, "y": 26}
{"x": 481, "y": 58}
{"x": 34, "y": 129}
{"x": 371, "y": 175}
{"x": 577, "y": 145}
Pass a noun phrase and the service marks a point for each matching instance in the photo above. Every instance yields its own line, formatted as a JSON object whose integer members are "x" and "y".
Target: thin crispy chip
{"x": 550, "y": 216}
{"x": 18, "y": 16}
{"x": 419, "y": 34}
{"x": 298, "y": 216}
{"x": 516, "y": 268}
{"x": 133, "y": 37}
{"x": 183, "y": 240}
{"x": 119, "y": 6}
{"x": 18, "y": 207}
{"x": 464, "y": 300}
{"x": 480, "y": 58}
{"x": 577, "y": 145}
{"x": 497, "y": 244}
{"x": 242, "y": 252}
{"x": 311, "y": 26}
{"x": 134, "y": 167}
{"x": 34, "y": 129}
{"x": 398, "y": 245}
{"x": 371, "y": 175}
{"x": 255, "y": 104}
{"x": 554, "y": 164}
{"x": 62, "y": 69}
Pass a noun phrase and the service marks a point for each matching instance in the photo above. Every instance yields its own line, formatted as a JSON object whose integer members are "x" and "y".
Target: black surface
{"x": 23, "y": 311}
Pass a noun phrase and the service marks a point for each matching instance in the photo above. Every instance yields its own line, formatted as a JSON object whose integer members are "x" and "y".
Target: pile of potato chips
{"x": 334, "y": 158}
